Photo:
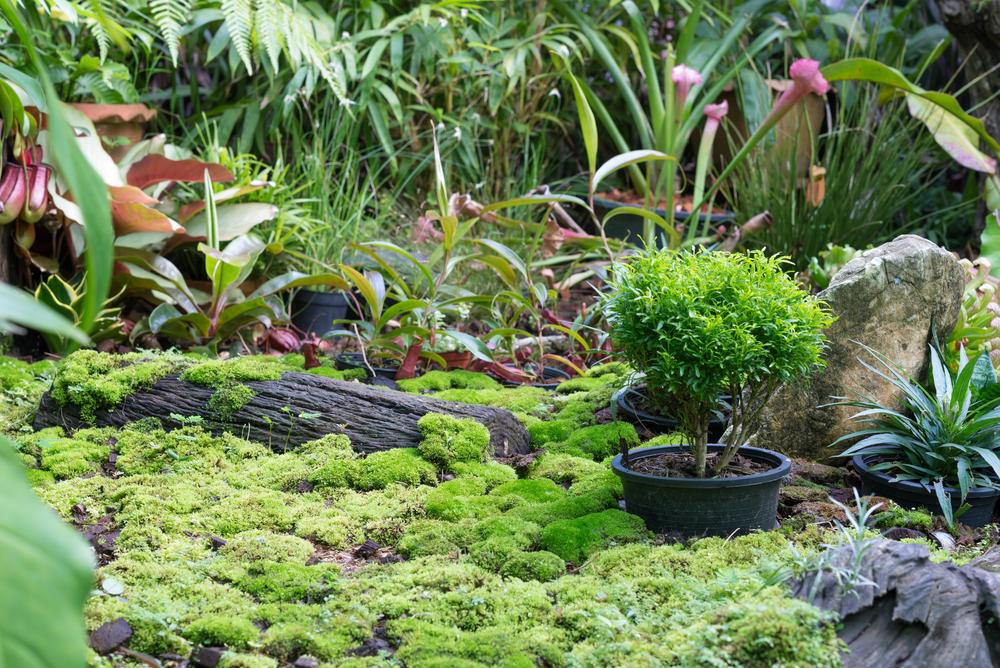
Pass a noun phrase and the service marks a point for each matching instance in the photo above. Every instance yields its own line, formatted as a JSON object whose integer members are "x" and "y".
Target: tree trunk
{"x": 975, "y": 25}
{"x": 913, "y": 613}
{"x": 374, "y": 418}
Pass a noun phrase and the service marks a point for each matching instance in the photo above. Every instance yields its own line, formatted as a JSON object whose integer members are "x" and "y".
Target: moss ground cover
{"x": 224, "y": 543}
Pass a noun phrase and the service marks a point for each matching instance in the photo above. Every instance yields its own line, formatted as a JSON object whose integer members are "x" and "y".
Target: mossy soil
{"x": 432, "y": 556}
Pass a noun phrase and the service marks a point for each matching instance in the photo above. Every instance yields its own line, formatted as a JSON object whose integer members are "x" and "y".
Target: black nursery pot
{"x": 629, "y": 227}
{"x": 314, "y": 311}
{"x": 909, "y": 494}
{"x": 627, "y": 399}
{"x": 704, "y": 506}
{"x": 344, "y": 361}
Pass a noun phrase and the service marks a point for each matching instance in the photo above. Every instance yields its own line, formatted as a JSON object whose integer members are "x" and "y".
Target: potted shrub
{"x": 701, "y": 326}
{"x": 940, "y": 451}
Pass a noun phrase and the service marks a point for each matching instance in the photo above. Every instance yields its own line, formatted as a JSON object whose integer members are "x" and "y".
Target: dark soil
{"x": 682, "y": 465}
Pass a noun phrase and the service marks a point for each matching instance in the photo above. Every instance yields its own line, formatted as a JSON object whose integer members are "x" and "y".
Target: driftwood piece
{"x": 918, "y": 614}
{"x": 374, "y": 418}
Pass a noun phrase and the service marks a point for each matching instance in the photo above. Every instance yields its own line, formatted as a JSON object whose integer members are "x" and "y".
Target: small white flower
{"x": 443, "y": 21}
{"x": 457, "y": 134}
{"x": 439, "y": 127}
{"x": 347, "y": 103}
{"x": 475, "y": 117}
{"x": 345, "y": 35}
{"x": 479, "y": 185}
{"x": 555, "y": 93}
{"x": 563, "y": 50}
{"x": 464, "y": 13}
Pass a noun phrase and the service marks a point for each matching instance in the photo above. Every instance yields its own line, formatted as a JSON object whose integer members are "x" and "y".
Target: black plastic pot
{"x": 909, "y": 494}
{"x": 315, "y": 312}
{"x": 383, "y": 368}
{"x": 628, "y": 398}
{"x": 704, "y": 506}
{"x": 630, "y": 227}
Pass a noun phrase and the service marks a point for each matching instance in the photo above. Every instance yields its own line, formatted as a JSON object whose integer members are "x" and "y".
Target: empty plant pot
{"x": 315, "y": 312}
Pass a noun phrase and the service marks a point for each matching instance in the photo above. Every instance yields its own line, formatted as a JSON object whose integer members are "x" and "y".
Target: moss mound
{"x": 575, "y": 540}
{"x": 447, "y": 440}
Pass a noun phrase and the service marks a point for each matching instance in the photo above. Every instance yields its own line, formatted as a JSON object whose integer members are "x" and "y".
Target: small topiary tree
{"x": 705, "y": 325}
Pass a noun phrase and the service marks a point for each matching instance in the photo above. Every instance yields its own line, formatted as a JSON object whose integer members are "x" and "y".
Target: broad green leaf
{"x": 47, "y": 571}
{"x": 365, "y": 287}
{"x": 20, "y": 308}
{"x": 865, "y": 69}
{"x": 233, "y": 219}
{"x": 296, "y": 279}
{"x": 471, "y": 343}
{"x": 534, "y": 199}
{"x": 624, "y": 160}
{"x": 588, "y": 125}
{"x": 954, "y": 136}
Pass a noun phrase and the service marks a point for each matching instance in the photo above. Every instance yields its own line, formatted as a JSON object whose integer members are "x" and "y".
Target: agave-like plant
{"x": 948, "y": 437}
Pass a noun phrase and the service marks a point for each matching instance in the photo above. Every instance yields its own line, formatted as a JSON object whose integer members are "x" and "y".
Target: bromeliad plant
{"x": 709, "y": 324}
{"x": 206, "y": 320}
{"x": 947, "y": 436}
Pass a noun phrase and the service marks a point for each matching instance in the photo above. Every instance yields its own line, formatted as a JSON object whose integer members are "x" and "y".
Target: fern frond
{"x": 170, "y": 17}
{"x": 97, "y": 13}
{"x": 268, "y": 29}
{"x": 238, "y": 16}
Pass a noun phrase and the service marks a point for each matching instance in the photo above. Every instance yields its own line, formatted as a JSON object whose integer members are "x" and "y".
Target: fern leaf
{"x": 170, "y": 17}
{"x": 238, "y": 15}
{"x": 268, "y": 29}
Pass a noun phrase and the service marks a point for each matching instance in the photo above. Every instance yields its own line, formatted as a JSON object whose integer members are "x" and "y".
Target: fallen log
{"x": 299, "y": 408}
{"x": 909, "y": 611}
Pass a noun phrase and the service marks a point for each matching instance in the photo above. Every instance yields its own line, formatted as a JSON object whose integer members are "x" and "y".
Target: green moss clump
{"x": 424, "y": 538}
{"x": 576, "y": 412}
{"x": 289, "y": 641}
{"x": 289, "y": 583}
{"x": 227, "y": 400}
{"x": 399, "y": 465}
{"x": 898, "y": 517}
{"x": 240, "y": 660}
{"x": 500, "y": 526}
{"x": 598, "y": 483}
{"x": 439, "y": 646}
{"x": 563, "y": 468}
{"x": 529, "y": 400}
{"x": 93, "y": 380}
{"x": 39, "y": 478}
{"x": 491, "y": 473}
{"x": 222, "y": 631}
{"x": 334, "y": 474}
{"x": 580, "y": 384}
{"x": 542, "y": 566}
{"x": 598, "y": 442}
{"x": 71, "y": 457}
{"x": 257, "y": 545}
{"x": 543, "y": 432}
{"x": 575, "y": 540}
{"x": 14, "y": 373}
{"x": 220, "y": 373}
{"x": 460, "y": 499}
{"x": 532, "y": 491}
{"x": 447, "y": 439}
{"x": 339, "y": 374}
{"x": 437, "y": 381}
{"x": 567, "y": 508}
{"x": 492, "y": 553}
{"x": 328, "y": 447}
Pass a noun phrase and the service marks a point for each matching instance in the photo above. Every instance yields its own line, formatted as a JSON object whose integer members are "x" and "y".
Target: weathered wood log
{"x": 917, "y": 614}
{"x": 374, "y": 418}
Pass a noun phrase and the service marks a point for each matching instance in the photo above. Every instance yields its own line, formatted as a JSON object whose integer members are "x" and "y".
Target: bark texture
{"x": 918, "y": 614}
{"x": 374, "y": 418}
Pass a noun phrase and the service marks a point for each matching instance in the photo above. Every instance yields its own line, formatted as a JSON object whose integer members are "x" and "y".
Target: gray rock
{"x": 110, "y": 636}
{"x": 912, "y": 613}
{"x": 887, "y": 298}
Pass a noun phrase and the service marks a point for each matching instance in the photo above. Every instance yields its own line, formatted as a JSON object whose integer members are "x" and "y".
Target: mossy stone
{"x": 566, "y": 508}
{"x": 599, "y": 441}
{"x": 491, "y": 473}
{"x": 491, "y": 554}
{"x": 563, "y": 468}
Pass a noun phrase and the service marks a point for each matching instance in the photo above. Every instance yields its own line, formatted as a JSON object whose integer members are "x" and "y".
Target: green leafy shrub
{"x": 709, "y": 324}
{"x": 448, "y": 439}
